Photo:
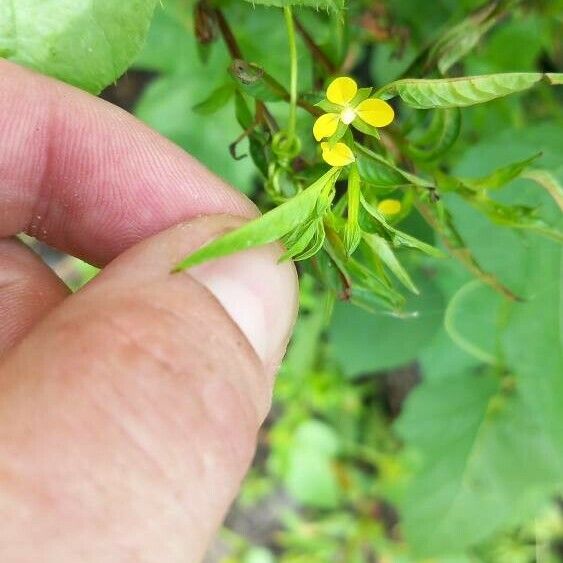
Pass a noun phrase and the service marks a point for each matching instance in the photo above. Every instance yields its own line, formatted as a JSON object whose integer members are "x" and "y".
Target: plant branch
{"x": 228, "y": 36}
{"x": 236, "y": 53}
{"x": 464, "y": 255}
{"x": 318, "y": 54}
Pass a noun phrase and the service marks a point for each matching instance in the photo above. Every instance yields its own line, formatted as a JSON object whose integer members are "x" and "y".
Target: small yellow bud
{"x": 389, "y": 206}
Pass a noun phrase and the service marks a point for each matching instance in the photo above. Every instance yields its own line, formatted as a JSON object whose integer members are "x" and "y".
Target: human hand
{"x": 128, "y": 411}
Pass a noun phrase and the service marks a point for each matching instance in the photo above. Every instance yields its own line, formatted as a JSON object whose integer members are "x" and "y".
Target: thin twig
{"x": 318, "y": 54}
{"x": 465, "y": 256}
{"x": 236, "y": 53}
{"x": 228, "y": 36}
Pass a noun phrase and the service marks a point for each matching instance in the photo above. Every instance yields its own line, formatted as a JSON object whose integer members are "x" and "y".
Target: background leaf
{"x": 310, "y": 476}
{"x": 476, "y": 442}
{"x": 88, "y": 43}
{"x": 364, "y": 342}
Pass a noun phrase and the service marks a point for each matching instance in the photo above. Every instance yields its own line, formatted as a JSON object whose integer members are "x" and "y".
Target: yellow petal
{"x": 375, "y": 112}
{"x": 341, "y": 90}
{"x": 339, "y": 155}
{"x": 325, "y": 126}
{"x": 389, "y": 206}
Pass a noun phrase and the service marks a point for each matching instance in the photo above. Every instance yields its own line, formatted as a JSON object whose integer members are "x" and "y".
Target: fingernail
{"x": 258, "y": 293}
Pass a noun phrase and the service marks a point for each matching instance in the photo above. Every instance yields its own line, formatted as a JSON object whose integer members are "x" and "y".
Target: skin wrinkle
{"x": 130, "y": 338}
{"x": 129, "y": 332}
{"x": 221, "y": 445}
{"x": 28, "y": 290}
{"x": 156, "y": 308}
{"x": 43, "y": 188}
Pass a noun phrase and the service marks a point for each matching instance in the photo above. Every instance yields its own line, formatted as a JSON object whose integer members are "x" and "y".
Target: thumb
{"x": 128, "y": 417}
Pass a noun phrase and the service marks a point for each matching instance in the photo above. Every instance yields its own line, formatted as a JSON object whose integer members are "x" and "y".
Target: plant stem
{"x": 236, "y": 53}
{"x": 293, "y": 78}
{"x": 463, "y": 254}
{"x": 318, "y": 54}
{"x": 227, "y": 34}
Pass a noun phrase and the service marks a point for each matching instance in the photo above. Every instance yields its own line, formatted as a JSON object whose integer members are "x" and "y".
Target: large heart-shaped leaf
{"x": 476, "y": 438}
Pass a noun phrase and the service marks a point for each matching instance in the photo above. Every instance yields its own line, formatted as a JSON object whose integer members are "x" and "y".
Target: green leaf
{"x": 364, "y": 342}
{"x": 383, "y": 250}
{"x": 446, "y": 136}
{"x": 515, "y": 216}
{"x": 352, "y": 231}
{"x": 310, "y": 478}
{"x": 501, "y": 176}
{"x": 270, "y": 227}
{"x": 459, "y": 40}
{"x": 377, "y": 170}
{"x": 533, "y": 339}
{"x": 242, "y": 111}
{"x": 461, "y": 92}
{"x": 366, "y": 128}
{"x": 486, "y": 462}
{"x": 500, "y": 251}
{"x": 549, "y": 183}
{"x": 317, "y": 4}
{"x": 398, "y": 237}
{"x": 555, "y": 78}
{"x": 216, "y": 100}
{"x": 88, "y": 44}
{"x": 255, "y": 82}
{"x": 470, "y": 321}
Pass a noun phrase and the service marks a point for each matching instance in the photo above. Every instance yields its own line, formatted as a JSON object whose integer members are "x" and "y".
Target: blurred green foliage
{"x": 436, "y": 434}
{"x": 469, "y": 467}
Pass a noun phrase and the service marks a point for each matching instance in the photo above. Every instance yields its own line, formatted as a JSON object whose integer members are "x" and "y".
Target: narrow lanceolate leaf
{"x": 515, "y": 216}
{"x": 450, "y": 126}
{"x": 493, "y": 181}
{"x": 88, "y": 43}
{"x": 271, "y": 227}
{"x": 377, "y": 170}
{"x": 398, "y": 237}
{"x": 352, "y": 231}
{"x": 458, "y": 40}
{"x": 461, "y": 92}
{"x": 317, "y": 4}
{"x": 384, "y": 251}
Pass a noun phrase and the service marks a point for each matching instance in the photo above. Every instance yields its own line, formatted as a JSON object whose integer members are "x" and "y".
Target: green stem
{"x": 293, "y": 79}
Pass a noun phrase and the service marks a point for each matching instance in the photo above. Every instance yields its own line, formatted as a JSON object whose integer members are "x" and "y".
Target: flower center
{"x": 347, "y": 116}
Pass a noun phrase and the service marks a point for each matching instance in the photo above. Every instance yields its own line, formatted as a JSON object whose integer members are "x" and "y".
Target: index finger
{"x": 88, "y": 178}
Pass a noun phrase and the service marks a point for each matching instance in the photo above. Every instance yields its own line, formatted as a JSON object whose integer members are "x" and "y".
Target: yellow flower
{"x": 341, "y": 93}
{"x": 389, "y": 207}
{"x": 338, "y": 155}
